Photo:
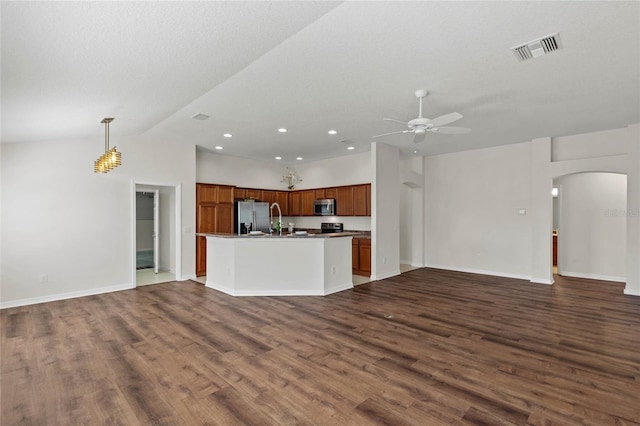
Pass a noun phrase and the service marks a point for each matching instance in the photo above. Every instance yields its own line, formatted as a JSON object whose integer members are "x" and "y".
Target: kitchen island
{"x": 274, "y": 265}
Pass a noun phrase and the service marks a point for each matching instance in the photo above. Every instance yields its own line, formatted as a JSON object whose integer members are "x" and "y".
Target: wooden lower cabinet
{"x": 361, "y": 256}
{"x": 201, "y": 256}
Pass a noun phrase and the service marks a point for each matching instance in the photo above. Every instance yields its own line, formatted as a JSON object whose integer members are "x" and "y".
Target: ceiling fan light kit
{"x": 421, "y": 125}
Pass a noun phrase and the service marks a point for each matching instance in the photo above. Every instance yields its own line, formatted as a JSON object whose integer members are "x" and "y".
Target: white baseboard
{"x": 537, "y": 280}
{"x": 232, "y": 292}
{"x": 384, "y": 276}
{"x": 632, "y": 291}
{"x": 188, "y": 277}
{"x": 481, "y": 272}
{"x": 63, "y": 296}
{"x": 592, "y": 276}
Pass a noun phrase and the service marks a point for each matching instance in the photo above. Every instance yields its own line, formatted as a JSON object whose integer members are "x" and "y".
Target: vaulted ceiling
{"x": 311, "y": 67}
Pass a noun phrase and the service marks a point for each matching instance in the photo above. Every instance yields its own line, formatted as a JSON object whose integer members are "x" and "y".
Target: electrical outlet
{"x": 333, "y": 270}
{"x": 44, "y": 278}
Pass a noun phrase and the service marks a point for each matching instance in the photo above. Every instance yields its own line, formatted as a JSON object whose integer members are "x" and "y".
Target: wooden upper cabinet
{"x": 330, "y": 192}
{"x": 282, "y": 198}
{"x": 254, "y": 194}
{"x": 268, "y": 196}
{"x": 208, "y": 193}
{"x": 307, "y": 199}
{"x": 225, "y": 194}
{"x": 239, "y": 193}
{"x": 344, "y": 201}
{"x": 295, "y": 203}
{"x": 362, "y": 200}
{"x": 320, "y": 193}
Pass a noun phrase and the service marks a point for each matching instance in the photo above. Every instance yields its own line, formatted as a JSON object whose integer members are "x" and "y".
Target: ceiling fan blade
{"x": 397, "y": 121}
{"x": 393, "y": 133}
{"x": 419, "y": 137}
{"x": 446, "y": 119}
{"x": 450, "y": 130}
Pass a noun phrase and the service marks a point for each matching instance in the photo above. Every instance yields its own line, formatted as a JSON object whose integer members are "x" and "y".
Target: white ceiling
{"x": 315, "y": 66}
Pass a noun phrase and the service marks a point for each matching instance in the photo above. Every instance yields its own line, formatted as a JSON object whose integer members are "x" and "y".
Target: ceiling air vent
{"x": 538, "y": 47}
{"x": 200, "y": 116}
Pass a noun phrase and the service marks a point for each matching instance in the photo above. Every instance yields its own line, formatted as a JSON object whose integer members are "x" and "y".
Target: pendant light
{"x": 111, "y": 158}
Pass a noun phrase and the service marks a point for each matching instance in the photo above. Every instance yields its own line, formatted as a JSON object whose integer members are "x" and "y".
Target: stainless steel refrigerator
{"x": 254, "y": 212}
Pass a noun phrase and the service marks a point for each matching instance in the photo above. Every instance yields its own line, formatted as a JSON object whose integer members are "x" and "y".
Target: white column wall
{"x": 633, "y": 212}
{"x": 541, "y": 212}
{"x": 385, "y": 215}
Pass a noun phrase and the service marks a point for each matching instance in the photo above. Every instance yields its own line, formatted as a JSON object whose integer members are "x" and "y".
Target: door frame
{"x": 177, "y": 213}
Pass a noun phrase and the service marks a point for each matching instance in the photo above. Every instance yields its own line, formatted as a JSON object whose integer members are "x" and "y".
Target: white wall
{"x": 472, "y": 202}
{"x": 472, "y": 198}
{"x": 592, "y": 233}
{"x": 227, "y": 170}
{"x": 385, "y": 205}
{"x": 67, "y": 231}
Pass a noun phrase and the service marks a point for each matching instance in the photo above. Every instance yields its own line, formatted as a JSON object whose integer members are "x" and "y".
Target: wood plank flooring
{"x": 429, "y": 347}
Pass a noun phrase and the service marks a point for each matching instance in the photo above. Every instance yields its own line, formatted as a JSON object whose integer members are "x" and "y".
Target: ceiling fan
{"x": 420, "y": 126}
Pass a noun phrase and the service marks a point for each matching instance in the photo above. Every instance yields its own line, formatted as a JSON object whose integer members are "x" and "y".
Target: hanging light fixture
{"x": 111, "y": 158}
{"x": 291, "y": 178}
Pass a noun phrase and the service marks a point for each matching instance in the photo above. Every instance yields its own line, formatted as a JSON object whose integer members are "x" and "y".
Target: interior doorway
{"x": 156, "y": 228}
{"x": 591, "y": 225}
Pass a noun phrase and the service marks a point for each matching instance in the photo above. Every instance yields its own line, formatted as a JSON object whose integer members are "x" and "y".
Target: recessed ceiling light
{"x": 350, "y": 147}
{"x": 332, "y": 132}
{"x": 200, "y": 116}
{"x": 278, "y": 158}
{"x": 218, "y": 147}
{"x": 282, "y": 130}
{"x": 298, "y": 158}
{"x": 227, "y": 135}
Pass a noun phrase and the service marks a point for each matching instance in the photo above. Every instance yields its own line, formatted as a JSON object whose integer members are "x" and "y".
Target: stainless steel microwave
{"x": 324, "y": 207}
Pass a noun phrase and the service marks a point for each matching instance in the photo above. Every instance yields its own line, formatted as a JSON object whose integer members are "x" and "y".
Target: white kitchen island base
{"x": 312, "y": 265}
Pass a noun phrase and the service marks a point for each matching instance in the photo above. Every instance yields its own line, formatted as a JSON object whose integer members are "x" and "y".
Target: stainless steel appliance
{"x": 251, "y": 212}
{"x": 329, "y": 228}
{"x": 324, "y": 207}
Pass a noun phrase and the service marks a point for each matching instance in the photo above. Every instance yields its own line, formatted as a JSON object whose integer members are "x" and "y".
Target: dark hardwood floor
{"x": 429, "y": 347}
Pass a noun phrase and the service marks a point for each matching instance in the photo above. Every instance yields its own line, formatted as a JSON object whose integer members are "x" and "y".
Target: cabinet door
{"x": 206, "y": 193}
{"x": 282, "y": 198}
{"x": 307, "y": 199}
{"x": 355, "y": 256}
{"x": 360, "y": 200}
{"x": 368, "y": 194}
{"x": 344, "y": 201}
{"x": 295, "y": 203}
{"x": 201, "y": 256}
{"x": 254, "y": 194}
{"x": 239, "y": 193}
{"x": 268, "y": 196}
{"x": 224, "y": 218}
{"x": 225, "y": 194}
{"x": 330, "y": 192}
{"x": 320, "y": 193}
{"x": 365, "y": 255}
{"x": 206, "y": 216}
